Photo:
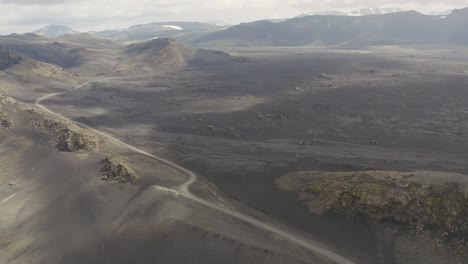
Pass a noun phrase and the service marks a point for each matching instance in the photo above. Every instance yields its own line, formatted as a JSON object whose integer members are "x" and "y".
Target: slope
{"x": 26, "y": 68}
{"x": 57, "y": 208}
{"x": 168, "y": 52}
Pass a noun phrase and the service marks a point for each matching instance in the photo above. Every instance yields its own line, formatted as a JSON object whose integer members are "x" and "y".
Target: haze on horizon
{"x": 89, "y": 15}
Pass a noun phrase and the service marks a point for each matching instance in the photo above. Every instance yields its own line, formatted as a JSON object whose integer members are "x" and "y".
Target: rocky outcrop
{"x": 5, "y": 124}
{"x": 64, "y": 134}
{"x": 422, "y": 214}
{"x": 115, "y": 169}
{"x": 405, "y": 198}
{"x": 68, "y": 137}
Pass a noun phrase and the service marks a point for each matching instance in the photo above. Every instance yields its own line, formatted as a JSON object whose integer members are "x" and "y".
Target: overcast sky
{"x": 86, "y": 15}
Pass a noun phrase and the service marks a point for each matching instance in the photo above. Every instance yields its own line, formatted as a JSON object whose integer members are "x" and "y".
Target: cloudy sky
{"x": 85, "y": 15}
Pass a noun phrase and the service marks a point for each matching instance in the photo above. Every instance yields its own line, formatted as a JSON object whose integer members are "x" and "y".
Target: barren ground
{"x": 241, "y": 126}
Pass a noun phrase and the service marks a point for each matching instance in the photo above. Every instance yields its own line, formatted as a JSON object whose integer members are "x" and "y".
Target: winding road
{"x": 184, "y": 188}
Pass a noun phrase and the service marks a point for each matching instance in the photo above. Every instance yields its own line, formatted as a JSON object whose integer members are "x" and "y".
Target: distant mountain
{"x": 145, "y": 32}
{"x": 67, "y": 51}
{"x": 324, "y": 13}
{"x": 219, "y": 23}
{"x": 359, "y": 12}
{"x": 14, "y": 64}
{"x": 408, "y": 27}
{"x": 55, "y": 31}
{"x": 376, "y": 11}
{"x": 440, "y": 13}
{"x": 453, "y": 27}
{"x": 44, "y": 50}
{"x": 168, "y": 52}
{"x": 86, "y": 40}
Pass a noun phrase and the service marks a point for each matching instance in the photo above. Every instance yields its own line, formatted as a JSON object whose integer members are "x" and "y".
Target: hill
{"x": 169, "y": 52}
{"x": 42, "y": 49}
{"x": 55, "y": 31}
{"x": 14, "y": 64}
{"x": 84, "y": 53}
{"x": 87, "y": 40}
{"x": 408, "y": 27}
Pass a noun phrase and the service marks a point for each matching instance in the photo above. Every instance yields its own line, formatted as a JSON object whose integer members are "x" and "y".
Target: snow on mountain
{"x": 440, "y": 13}
{"x": 359, "y": 12}
{"x": 375, "y": 11}
{"x": 324, "y": 13}
{"x": 172, "y": 27}
{"x": 278, "y": 20}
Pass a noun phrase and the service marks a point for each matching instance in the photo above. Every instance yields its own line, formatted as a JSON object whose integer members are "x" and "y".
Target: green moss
{"x": 317, "y": 189}
{"x": 439, "y": 207}
{"x": 461, "y": 201}
{"x": 362, "y": 177}
{"x": 355, "y": 193}
{"x": 412, "y": 193}
{"x": 350, "y": 195}
{"x": 434, "y": 202}
{"x": 378, "y": 189}
{"x": 346, "y": 199}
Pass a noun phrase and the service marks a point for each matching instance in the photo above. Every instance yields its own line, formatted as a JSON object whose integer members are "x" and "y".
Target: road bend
{"x": 184, "y": 189}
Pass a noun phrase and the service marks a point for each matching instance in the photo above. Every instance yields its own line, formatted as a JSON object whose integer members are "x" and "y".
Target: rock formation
{"x": 116, "y": 169}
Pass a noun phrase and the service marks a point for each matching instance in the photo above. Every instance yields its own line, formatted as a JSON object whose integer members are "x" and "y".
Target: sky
{"x": 92, "y": 15}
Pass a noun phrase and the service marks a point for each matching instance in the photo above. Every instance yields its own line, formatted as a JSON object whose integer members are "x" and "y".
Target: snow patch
{"x": 172, "y": 27}
{"x": 277, "y": 20}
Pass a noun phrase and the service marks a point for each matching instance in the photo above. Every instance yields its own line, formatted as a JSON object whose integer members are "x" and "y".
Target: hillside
{"x": 169, "y": 52}
{"x": 7, "y": 59}
{"x": 41, "y": 49}
{"x": 83, "y": 53}
{"x": 58, "y": 205}
{"x": 87, "y": 40}
{"x": 408, "y": 27}
{"x": 13, "y": 64}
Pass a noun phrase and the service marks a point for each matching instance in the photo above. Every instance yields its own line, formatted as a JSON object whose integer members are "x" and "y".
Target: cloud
{"x": 28, "y": 15}
{"x": 32, "y": 2}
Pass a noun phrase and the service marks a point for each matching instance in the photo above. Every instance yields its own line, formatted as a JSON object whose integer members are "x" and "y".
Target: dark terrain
{"x": 265, "y": 129}
{"x": 240, "y": 126}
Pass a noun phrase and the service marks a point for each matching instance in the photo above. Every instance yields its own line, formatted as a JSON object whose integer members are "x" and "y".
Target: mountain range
{"x": 368, "y": 26}
{"x": 359, "y": 12}
{"x": 409, "y": 27}
{"x": 156, "y": 30}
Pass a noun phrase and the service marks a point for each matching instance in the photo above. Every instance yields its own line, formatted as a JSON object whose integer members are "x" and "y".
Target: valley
{"x": 126, "y": 147}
